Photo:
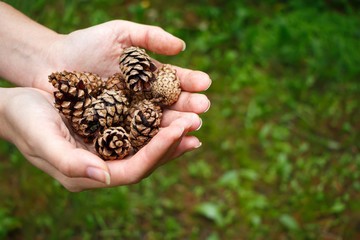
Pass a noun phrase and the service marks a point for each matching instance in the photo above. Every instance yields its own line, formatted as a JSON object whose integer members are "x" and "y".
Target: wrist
{"x": 48, "y": 57}
{"x": 26, "y": 46}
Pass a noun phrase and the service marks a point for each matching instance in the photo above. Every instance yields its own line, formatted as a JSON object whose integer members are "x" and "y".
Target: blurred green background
{"x": 280, "y": 156}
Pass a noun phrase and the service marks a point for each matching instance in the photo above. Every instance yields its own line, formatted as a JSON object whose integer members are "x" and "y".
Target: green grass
{"x": 280, "y": 156}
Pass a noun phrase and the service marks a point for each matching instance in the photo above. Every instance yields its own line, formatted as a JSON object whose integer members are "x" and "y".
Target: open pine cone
{"x": 117, "y": 82}
{"x": 93, "y": 84}
{"x": 137, "y": 68}
{"x": 74, "y": 95}
{"x": 109, "y": 109}
{"x": 140, "y": 103}
{"x": 144, "y": 126}
{"x": 113, "y": 143}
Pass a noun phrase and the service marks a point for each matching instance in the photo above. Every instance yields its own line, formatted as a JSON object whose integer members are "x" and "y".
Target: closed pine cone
{"x": 113, "y": 143}
{"x": 166, "y": 88}
{"x": 137, "y": 68}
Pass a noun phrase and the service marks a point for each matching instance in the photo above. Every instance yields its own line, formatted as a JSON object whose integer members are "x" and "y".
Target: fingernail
{"x": 184, "y": 45}
{"x": 107, "y": 178}
{"x": 199, "y": 125}
{"x": 209, "y": 85}
{"x": 208, "y": 107}
{"x": 182, "y": 132}
{"x": 200, "y": 143}
{"x": 191, "y": 123}
{"x": 98, "y": 175}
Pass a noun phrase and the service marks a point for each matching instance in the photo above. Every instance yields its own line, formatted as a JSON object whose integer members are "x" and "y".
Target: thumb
{"x": 74, "y": 162}
{"x": 153, "y": 38}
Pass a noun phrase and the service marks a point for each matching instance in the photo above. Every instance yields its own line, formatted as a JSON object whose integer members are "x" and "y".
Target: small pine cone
{"x": 72, "y": 97}
{"x": 117, "y": 82}
{"x": 137, "y": 68}
{"x": 113, "y": 143}
{"x": 109, "y": 109}
{"x": 144, "y": 126}
{"x": 166, "y": 88}
{"x": 140, "y": 103}
{"x": 64, "y": 80}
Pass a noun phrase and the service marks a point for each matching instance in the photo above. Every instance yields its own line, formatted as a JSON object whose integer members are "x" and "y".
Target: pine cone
{"x": 140, "y": 103}
{"x": 109, "y": 109}
{"x": 73, "y": 95}
{"x": 113, "y": 143}
{"x": 92, "y": 82}
{"x": 137, "y": 68}
{"x": 117, "y": 82}
{"x": 166, "y": 88}
{"x": 144, "y": 126}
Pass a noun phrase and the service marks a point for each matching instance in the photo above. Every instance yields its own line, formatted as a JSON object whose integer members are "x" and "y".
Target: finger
{"x": 169, "y": 116}
{"x": 191, "y": 81}
{"x": 152, "y": 38}
{"x": 191, "y": 102}
{"x": 71, "y": 161}
{"x": 71, "y": 184}
{"x": 187, "y": 144}
{"x": 133, "y": 169}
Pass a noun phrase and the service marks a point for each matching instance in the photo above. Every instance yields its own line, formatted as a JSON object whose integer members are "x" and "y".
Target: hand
{"x": 31, "y": 122}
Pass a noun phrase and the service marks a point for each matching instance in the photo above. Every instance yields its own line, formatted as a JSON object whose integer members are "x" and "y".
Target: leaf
{"x": 288, "y": 222}
{"x": 249, "y": 174}
{"x": 229, "y": 179}
{"x": 338, "y": 207}
{"x": 211, "y": 211}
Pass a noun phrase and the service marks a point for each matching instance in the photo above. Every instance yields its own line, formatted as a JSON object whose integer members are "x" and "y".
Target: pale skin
{"x": 29, "y": 120}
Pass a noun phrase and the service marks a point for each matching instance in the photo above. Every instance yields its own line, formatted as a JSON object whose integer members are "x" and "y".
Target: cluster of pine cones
{"x": 122, "y": 113}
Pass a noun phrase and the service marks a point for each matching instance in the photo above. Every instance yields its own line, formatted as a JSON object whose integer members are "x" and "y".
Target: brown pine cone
{"x": 109, "y": 109}
{"x": 137, "y": 69}
{"x": 166, "y": 88}
{"x": 113, "y": 143}
{"x": 140, "y": 103}
{"x": 73, "y": 95}
{"x": 92, "y": 82}
{"x": 117, "y": 82}
{"x": 144, "y": 126}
